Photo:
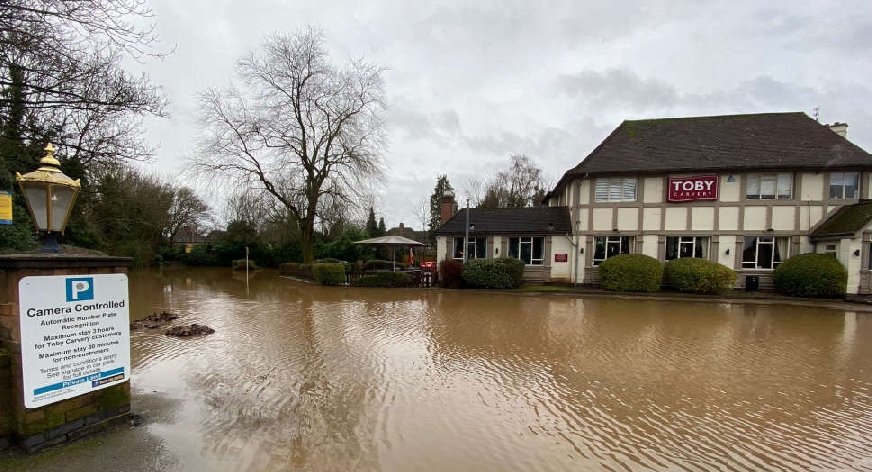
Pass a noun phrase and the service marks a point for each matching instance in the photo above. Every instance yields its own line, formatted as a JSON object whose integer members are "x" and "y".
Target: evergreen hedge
{"x": 493, "y": 273}
{"x": 631, "y": 273}
{"x": 384, "y": 279}
{"x": 329, "y": 273}
{"x": 811, "y": 276}
{"x": 695, "y": 275}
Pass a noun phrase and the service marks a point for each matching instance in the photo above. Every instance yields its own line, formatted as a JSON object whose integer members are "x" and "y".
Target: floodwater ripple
{"x": 301, "y": 377}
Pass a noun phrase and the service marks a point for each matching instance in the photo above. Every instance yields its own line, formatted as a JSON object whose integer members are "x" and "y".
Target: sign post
{"x": 75, "y": 335}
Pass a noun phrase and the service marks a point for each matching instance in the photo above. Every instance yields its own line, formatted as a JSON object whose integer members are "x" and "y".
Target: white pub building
{"x": 747, "y": 191}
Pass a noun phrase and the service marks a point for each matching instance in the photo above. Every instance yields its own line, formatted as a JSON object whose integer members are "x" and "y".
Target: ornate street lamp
{"x": 50, "y": 195}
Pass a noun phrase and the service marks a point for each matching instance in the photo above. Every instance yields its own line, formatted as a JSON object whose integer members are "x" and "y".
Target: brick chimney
{"x": 446, "y": 209}
{"x": 402, "y": 226}
{"x": 839, "y": 128}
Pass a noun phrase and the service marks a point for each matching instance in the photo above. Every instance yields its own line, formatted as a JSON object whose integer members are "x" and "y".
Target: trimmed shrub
{"x": 493, "y": 273}
{"x": 631, "y": 273}
{"x": 811, "y": 276}
{"x": 296, "y": 269}
{"x": 695, "y": 275}
{"x": 450, "y": 273}
{"x": 384, "y": 279}
{"x": 329, "y": 273}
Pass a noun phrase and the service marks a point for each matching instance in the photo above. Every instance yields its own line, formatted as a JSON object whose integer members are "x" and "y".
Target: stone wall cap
{"x": 61, "y": 261}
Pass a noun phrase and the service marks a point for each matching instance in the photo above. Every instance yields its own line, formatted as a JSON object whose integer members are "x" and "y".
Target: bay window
{"x": 845, "y": 185}
{"x": 769, "y": 186}
{"x": 764, "y": 252}
{"x": 686, "y": 246}
{"x": 477, "y": 248}
{"x": 530, "y": 249}
{"x": 608, "y": 246}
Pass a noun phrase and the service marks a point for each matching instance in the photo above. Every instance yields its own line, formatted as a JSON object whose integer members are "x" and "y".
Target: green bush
{"x": 695, "y": 275}
{"x": 811, "y": 276}
{"x": 296, "y": 269}
{"x": 493, "y": 273}
{"x": 329, "y": 273}
{"x": 631, "y": 273}
{"x": 384, "y": 279}
{"x": 451, "y": 273}
{"x": 199, "y": 256}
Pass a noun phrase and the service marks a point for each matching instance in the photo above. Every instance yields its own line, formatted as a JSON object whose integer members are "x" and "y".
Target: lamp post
{"x": 50, "y": 195}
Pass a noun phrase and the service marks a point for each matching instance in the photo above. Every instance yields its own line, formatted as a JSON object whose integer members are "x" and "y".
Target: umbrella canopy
{"x": 391, "y": 242}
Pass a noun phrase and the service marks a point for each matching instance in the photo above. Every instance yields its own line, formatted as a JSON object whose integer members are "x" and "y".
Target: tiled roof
{"x": 495, "y": 221}
{"x": 847, "y": 220}
{"x": 721, "y": 143}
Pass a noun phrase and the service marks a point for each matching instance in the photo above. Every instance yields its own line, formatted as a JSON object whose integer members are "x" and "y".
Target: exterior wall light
{"x": 50, "y": 195}
{"x": 727, "y": 252}
{"x": 857, "y": 252}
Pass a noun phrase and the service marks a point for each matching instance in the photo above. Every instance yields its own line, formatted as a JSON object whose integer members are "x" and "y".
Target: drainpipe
{"x": 466, "y": 237}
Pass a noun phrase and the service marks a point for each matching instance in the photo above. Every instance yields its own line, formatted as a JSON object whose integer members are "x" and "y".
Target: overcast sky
{"x": 469, "y": 83}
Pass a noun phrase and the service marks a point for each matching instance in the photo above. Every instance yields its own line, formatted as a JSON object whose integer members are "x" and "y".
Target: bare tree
{"x": 422, "y": 211}
{"x": 475, "y": 189}
{"x": 186, "y": 210}
{"x": 61, "y": 79}
{"x": 518, "y": 186}
{"x": 303, "y": 131}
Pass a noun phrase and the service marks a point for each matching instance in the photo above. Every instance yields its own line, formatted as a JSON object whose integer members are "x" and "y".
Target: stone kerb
{"x": 66, "y": 420}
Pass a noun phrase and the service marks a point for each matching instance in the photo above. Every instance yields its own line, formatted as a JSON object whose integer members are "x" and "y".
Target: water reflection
{"x": 311, "y": 378}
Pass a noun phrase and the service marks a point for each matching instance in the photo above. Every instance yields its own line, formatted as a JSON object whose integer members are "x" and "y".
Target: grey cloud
{"x": 617, "y": 87}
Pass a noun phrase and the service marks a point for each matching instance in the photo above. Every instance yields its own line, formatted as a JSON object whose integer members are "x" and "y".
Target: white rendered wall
{"x": 561, "y": 271}
{"x": 653, "y": 192}
{"x": 729, "y": 191}
{"x": 702, "y": 218}
{"x": 724, "y": 243}
{"x": 812, "y": 185}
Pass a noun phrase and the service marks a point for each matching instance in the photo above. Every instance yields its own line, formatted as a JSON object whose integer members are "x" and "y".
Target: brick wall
{"x": 37, "y": 428}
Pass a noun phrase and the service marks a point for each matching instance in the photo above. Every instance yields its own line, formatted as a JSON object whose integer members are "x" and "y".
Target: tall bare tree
{"x": 305, "y": 131}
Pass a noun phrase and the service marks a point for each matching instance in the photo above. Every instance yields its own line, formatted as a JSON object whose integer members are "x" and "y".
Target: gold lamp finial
{"x": 49, "y": 163}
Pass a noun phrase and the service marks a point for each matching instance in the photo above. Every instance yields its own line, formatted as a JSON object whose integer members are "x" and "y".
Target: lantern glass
{"x": 61, "y": 202}
{"x": 37, "y": 198}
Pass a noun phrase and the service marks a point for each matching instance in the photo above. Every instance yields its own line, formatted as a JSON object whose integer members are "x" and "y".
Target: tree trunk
{"x": 307, "y": 231}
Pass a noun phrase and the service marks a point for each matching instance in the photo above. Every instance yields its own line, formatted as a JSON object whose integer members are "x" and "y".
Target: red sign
{"x": 561, "y": 257}
{"x": 685, "y": 189}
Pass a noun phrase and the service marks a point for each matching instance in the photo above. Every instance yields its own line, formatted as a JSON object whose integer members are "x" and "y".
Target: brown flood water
{"x": 302, "y": 377}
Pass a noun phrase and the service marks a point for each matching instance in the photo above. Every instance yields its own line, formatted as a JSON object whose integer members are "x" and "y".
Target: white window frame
{"x": 838, "y": 180}
{"x": 695, "y": 242}
{"x": 616, "y": 189}
{"x": 780, "y": 183}
{"x": 766, "y": 241}
{"x": 527, "y": 241}
{"x": 611, "y": 241}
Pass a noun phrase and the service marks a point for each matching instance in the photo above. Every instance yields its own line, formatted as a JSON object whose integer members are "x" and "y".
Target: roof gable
{"x": 494, "y": 221}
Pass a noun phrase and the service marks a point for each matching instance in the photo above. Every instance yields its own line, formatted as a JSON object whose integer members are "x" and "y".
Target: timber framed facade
{"x": 747, "y": 191}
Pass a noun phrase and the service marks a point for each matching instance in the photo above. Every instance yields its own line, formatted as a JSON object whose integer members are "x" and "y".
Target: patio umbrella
{"x": 390, "y": 242}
